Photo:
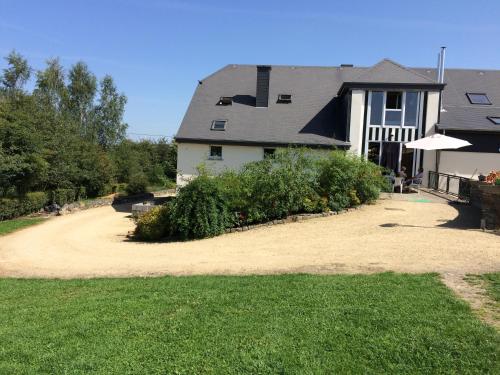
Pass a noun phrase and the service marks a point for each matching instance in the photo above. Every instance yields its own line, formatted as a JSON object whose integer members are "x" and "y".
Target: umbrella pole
{"x": 438, "y": 157}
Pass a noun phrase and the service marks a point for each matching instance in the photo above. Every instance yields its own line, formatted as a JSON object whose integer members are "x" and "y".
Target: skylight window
{"x": 225, "y": 100}
{"x": 284, "y": 98}
{"x": 478, "y": 98}
{"x": 494, "y": 119}
{"x": 219, "y": 125}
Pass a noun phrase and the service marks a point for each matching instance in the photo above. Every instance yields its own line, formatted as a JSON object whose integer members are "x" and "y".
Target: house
{"x": 242, "y": 113}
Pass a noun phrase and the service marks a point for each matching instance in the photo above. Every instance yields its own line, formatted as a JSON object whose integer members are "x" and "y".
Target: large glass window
{"x": 387, "y": 108}
{"x": 377, "y": 107}
{"x": 411, "y": 109}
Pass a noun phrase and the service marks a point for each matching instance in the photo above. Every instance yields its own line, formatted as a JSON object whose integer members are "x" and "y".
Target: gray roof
{"x": 309, "y": 120}
{"x": 459, "y": 113}
{"x": 313, "y": 117}
{"x": 388, "y": 71}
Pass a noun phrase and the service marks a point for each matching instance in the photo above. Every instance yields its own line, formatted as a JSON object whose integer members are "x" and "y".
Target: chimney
{"x": 440, "y": 69}
{"x": 262, "y": 93}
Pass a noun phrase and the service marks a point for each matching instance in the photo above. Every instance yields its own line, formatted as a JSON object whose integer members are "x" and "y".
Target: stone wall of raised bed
{"x": 487, "y": 198}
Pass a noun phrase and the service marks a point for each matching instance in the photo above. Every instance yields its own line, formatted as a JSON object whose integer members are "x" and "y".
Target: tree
{"x": 82, "y": 89}
{"x": 110, "y": 129}
{"x": 16, "y": 74}
{"x": 22, "y": 164}
{"x": 50, "y": 86}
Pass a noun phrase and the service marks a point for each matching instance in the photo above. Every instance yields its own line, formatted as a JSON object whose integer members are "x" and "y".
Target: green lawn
{"x": 492, "y": 281}
{"x": 9, "y": 226}
{"x": 299, "y": 324}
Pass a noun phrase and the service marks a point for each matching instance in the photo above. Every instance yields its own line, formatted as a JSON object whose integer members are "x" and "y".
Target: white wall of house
{"x": 357, "y": 119}
{"x": 191, "y": 155}
{"x": 429, "y": 162}
{"x": 468, "y": 164}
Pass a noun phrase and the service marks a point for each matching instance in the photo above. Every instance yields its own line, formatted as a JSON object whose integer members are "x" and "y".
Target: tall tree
{"x": 82, "y": 89}
{"x": 50, "y": 86}
{"x": 17, "y": 73}
{"x": 109, "y": 123}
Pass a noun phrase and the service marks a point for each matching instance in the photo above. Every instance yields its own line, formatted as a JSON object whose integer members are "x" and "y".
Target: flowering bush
{"x": 493, "y": 177}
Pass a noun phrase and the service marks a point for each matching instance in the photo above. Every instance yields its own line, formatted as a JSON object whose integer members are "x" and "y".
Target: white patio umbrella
{"x": 437, "y": 142}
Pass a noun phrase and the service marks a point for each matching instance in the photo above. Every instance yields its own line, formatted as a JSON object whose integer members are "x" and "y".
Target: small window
{"x": 478, "y": 98}
{"x": 269, "y": 153}
{"x": 284, "y": 98}
{"x": 494, "y": 119}
{"x": 219, "y": 125}
{"x": 225, "y": 100}
{"x": 215, "y": 153}
{"x": 393, "y": 100}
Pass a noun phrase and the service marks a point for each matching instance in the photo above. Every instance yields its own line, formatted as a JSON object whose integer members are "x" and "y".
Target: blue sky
{"x": 156, "y": 50}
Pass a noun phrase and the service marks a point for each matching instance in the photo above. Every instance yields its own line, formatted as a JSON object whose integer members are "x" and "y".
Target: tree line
{"x": 68, "y": 132}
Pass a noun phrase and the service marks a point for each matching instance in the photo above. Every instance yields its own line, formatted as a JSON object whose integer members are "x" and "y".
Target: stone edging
{"x": 290, "y": 219}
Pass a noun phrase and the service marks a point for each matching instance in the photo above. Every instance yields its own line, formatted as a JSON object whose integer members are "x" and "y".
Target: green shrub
{"x": 80, "y": 193}
{"x": 11, "y": 208}
{"x": 154, "y": 224}
{"x": 62, "y": 196}
{"x": 200, "y": 209}
{"x": 138, "y": 185}
{"x": 272, "y": 188}
{"x": 293, "y": 181}
{"x": 337, "y": 175}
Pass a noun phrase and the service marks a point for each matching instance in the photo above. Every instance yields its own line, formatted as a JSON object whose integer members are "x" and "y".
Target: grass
{"x": 299, "y": 324}
{"x": 9, "y": 226}
{"x": 492, "y": 281}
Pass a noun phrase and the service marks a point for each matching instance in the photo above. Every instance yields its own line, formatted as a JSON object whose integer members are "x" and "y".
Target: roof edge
{"x": 388, "y": 85}
{"x": 337, "y": 143}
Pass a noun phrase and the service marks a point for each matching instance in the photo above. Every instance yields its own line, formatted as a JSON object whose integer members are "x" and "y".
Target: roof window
{"x": 494, "y": 119}
{"x": 284, "y": 98}
{"x": 225, "y": 100}
{"x": 219, "y": 125}
{"x": 478, "y": 98}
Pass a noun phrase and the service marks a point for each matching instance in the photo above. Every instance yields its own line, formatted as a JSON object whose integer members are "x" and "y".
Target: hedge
{"x": 13, "y": 207}
{"x": 294, "y": 181}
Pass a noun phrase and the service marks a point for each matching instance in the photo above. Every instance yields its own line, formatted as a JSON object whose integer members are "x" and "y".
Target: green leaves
{"x": 17, "y": 73}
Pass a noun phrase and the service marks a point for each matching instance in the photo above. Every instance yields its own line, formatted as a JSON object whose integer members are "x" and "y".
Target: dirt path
{"x": 389, "y": 236}
{"x": 473, "y": 291}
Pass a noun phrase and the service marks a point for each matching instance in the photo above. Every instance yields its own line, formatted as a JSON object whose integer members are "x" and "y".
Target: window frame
{"x": 284, "y": 98}
{"x": 468, "y": 94}
{"x": 402, "y": 110}
{"x": 494, "y": 119}
{"x": 214, "y": 157}
{"x": 219, "y": 130}
{"x": 267, "y": 153}
{"x": 225, "y": 98}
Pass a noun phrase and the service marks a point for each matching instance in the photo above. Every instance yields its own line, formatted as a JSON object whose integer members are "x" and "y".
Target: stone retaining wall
{"x": 289, "y": 219}
{"x": 486, "y": 197}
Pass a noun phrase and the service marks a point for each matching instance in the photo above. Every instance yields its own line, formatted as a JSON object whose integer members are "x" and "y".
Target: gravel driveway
{"x": 391, "y": 235}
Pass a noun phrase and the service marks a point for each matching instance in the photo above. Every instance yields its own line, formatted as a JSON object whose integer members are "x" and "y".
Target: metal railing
{"x": 450, "y": 184}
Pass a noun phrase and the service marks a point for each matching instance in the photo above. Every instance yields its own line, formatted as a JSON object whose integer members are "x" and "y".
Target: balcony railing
{"x": 450, "y": 184}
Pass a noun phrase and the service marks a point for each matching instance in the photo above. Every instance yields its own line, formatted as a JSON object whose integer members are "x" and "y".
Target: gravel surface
{"x": 392, "y": 235}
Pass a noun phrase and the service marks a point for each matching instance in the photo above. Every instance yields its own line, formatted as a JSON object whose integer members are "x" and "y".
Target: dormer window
{"x": 219, "y": 125}
{"x": 478, "y": 98}
{"x": 494, "y": 119}
{"x": 225, "y": 100}
{"x": 284, "y": 98}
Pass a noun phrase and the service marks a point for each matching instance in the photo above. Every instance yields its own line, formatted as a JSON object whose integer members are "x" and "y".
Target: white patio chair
{"x": 398, "y": 181}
